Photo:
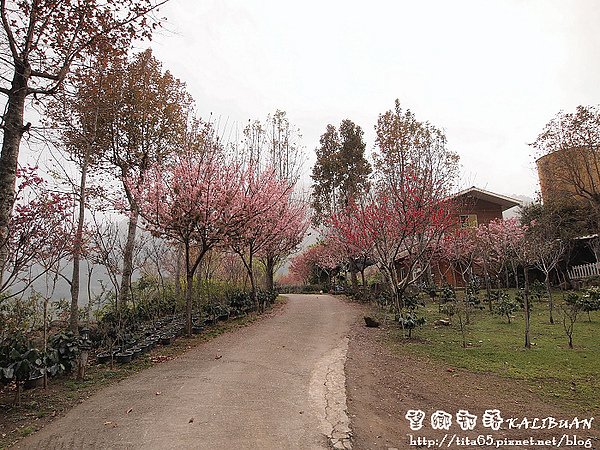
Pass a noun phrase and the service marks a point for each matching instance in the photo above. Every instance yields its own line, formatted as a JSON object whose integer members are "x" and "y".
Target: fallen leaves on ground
{"x": 161, "y": 358}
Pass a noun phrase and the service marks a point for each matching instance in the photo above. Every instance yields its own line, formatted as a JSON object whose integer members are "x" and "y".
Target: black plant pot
{"x": 124, "y": 357}
{"x": 34, "y": 381}
{"x": 223, "y": 317}
{"x": 103, "y": 358}
{"x": 137, "y": 351}
{"x": 209, "y": 322}
{"x": 167, "y": 339}
{"x": 197, "y": 329}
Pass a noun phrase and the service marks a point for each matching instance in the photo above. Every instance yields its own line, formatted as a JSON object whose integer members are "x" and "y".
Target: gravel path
{"x": 278, "y": 384}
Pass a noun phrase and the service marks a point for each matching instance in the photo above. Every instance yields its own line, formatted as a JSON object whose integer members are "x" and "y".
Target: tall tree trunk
{"x": 128, "y": 259}
{"x": 488, "y": 285}
{"x": 550, "y": 302}
{"x": 250, "y": 269}
{"x": 189, "y": 280}
{"x": 178, "y": 272}
{"x": 13, "y": 131}
{"x": 270, "y": 273}
{"x": 45, "y": 336}
{"x": 527, "y": 309}
{"x": 253, "y": 288}
{"x": 353, "y": 274}
{"x": 77, "y": 248}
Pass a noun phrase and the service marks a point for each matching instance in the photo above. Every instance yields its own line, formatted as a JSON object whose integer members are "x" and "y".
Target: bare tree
{"x": 569, "y": 159}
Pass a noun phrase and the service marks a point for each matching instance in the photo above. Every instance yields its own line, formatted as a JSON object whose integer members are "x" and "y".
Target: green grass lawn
{"x": 571, "y": 376}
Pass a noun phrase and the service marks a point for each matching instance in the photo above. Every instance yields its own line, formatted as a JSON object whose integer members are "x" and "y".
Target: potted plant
{"x": 167, "y": 339}
{"x": 124, "y": 357}
{"x": 19, "y": 361}
{"x": 103, "y": 357}
{"x": 66, "y": 345}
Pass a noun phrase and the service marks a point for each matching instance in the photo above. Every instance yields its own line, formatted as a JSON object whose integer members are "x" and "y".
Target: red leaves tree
{"x": 143, "y": 122}
{"x": 400, "y": 230}
{"x": 323, "y": 257}
{"x": 572, "y": 169}
{"x": 406, "y": 214}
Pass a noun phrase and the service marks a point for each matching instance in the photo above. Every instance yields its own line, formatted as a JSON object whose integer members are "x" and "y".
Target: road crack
{"x": 328, "y": 392}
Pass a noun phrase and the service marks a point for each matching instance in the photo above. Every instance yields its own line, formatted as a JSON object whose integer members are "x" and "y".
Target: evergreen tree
{"x": 341, "y": 171}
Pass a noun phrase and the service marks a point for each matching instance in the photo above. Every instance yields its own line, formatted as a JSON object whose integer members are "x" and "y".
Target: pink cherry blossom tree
{"x": 264, "y": 199}
{"x": 353, "y": 241}
{"x": 509, "y": 244}
{"x": 285, "y": 234}
{"x": 322, "y": 257}
{"x": 402, "y": 227}
{"x": 459, "y": 248}
{"x": 195, "y": 201}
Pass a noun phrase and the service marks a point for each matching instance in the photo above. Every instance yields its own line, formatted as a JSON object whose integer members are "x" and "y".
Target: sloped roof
{"x": 502, "y": 200}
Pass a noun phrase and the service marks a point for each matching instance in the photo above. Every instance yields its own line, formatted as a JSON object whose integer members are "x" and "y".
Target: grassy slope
{"x": 569, "y": 376}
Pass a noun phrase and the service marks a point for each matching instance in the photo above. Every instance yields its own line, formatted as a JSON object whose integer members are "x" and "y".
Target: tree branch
{"x": 40, "y": 74}
{"x": 9, "y": 34}
{"x": 50, "y": 91}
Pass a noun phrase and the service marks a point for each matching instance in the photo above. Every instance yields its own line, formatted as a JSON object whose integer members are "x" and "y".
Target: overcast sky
{"x": 490, "y": 73}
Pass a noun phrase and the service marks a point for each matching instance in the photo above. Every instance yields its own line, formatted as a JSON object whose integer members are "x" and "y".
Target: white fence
{"x": 584, "y": 271}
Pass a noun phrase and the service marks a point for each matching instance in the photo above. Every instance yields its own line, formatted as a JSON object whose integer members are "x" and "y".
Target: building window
{"x": 468, "y": 221}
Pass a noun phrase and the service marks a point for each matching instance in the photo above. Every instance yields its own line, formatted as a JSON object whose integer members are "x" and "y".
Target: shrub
{"x": 409, "y": 321}
{"x": 66, "y": 345}
{"x": 520, "y": 299}
{"x": 537, "y": 290}
{"x": 472, "y": 294}
{"x": 448, "y": 294}
{"x": 266, "y": 297}
{"x": 506, "y": 306}
{"x": 239, "y": 301}
{"x": 591, "y": 300}
{"x": 19, "y": 361}
{"x": 408, "y": 318}
{"x": 361, "y": 294}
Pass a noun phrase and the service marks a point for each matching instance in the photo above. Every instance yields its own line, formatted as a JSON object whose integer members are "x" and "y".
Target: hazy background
{"x": 491, "y": 73}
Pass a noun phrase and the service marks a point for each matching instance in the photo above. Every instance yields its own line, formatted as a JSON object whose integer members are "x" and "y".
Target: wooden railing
{"x": 584, "y": 271}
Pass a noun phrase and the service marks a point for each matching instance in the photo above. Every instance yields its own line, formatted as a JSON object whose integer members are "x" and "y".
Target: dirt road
{"x": 278, "y": 384}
